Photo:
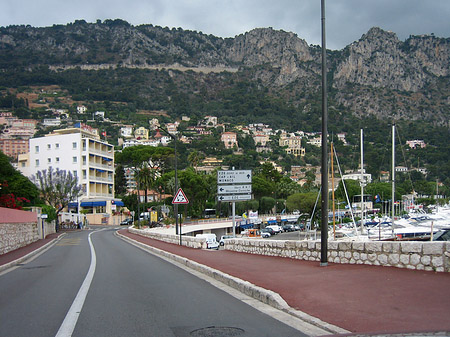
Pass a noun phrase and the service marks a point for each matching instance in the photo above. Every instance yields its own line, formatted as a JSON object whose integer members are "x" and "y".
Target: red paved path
{"x": 361, "y": 299}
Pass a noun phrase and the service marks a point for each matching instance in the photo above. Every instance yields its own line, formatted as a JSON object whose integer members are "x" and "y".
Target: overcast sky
{"x": 346, "y": 20}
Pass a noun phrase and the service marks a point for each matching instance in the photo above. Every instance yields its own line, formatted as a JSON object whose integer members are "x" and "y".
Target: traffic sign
{"x": 180, "y": 198}
{"x": 234, "y": 197}
{"x": 234, "y": 177}
{"x": 233, "y": 189}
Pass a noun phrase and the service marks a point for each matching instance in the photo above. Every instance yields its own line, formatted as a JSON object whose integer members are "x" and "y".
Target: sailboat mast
{"x": 393, "y": 178}
{"x": 362, "y": 181}
{"x": 332, "y": 192}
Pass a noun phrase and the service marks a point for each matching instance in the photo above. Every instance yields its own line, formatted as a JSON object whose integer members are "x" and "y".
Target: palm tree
{"x": 145, "y": 178}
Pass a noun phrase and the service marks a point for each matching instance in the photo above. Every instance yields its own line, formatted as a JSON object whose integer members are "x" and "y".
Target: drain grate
{"x": 217, "y": 331}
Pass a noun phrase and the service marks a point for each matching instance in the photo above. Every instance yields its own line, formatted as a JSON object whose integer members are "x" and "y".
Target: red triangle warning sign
{"x": 180, "y": 198}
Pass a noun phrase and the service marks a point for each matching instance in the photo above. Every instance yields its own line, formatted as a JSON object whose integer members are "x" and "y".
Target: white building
{"x": 80, "y": 151}
{"x": 126, "y": 131}
{"x": 367, "y": 177}
{"x": 81, "y": 109}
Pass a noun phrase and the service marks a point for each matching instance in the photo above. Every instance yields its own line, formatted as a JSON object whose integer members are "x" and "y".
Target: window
{"x": 74, "y": 160}
{"x": 49, "y": 160}
{"x": 37, "y": 162}
{"x": 36, "y": 149}
{"x": 74, "y": 173}
{"x": 49, "y": 146}
{"x": 84, "y": 174}
{"x": 74, "y": 145}
{"x": 57, "y": 159}
{"x": 57, "y": 145}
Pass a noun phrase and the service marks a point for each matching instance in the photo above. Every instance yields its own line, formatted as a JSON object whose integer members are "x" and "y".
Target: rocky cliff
{"x": 379, "y": 74}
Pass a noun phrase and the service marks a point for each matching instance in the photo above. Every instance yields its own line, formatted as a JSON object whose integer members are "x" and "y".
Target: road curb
{"x": 37, "y": 251}
{"x": 263, "y": 295}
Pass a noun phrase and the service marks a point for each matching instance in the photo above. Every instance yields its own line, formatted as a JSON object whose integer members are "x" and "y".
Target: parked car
{"x": 276, "y": 228}
{"x": 265, "y": 234}
{"x": 127, "y": 222}
{"x": 268, "y": 230}
{"x": 288, "y": 228}
{"x": 223, "y": 237}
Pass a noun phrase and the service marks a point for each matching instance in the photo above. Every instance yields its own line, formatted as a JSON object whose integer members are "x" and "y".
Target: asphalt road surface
{"x": 91, "y": 283}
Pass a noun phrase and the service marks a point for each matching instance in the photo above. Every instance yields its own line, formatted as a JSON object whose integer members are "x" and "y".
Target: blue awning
{"x": 119, "y": 203}
{"x": 246, "y": 226}
{"x": 73, "y": 205}
{"x": 93, "y": 203}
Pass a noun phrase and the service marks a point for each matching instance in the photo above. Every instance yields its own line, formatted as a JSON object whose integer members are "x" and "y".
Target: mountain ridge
{"x": 377, "y": 75}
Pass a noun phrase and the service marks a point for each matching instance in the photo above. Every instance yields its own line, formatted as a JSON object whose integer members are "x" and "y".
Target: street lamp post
{"x": 324, "y": 200}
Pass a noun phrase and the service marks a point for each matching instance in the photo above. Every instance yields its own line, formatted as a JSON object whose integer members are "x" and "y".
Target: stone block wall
{"x": 17, "y": 235}
{"x": 420, "y": 255}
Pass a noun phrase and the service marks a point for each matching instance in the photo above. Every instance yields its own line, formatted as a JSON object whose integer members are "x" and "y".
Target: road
{"x": 94, "y": 284}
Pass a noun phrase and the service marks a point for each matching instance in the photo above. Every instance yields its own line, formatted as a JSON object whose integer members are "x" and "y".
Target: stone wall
{"x": 17, "y": 235}
{"x": 420, "y": 255}
{"x": 188, "y": 241}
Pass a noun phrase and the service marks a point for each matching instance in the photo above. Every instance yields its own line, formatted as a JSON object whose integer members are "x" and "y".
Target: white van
{"x": 211, "y": 240}
{"x": 276, "y": 228}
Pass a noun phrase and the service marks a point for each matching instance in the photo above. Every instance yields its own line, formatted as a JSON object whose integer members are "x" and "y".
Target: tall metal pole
{"x": 393, "y": 179}
{"x": 174, "y": 137}
{"x": 177, "y": 227}
{"x": 324, "y": 200}
{"x": 362, "y": 182}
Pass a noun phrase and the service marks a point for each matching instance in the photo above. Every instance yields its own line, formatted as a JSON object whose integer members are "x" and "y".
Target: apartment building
{"x": 14, "y": 147}
{"x": 80, "y": 151}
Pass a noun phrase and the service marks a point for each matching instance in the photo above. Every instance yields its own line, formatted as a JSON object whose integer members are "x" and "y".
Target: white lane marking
{"x": 68, "y": 325}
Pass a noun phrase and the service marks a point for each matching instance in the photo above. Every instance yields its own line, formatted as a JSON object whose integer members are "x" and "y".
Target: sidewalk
{"x": 17, "y": 256}
{"x": 358, "y": 298}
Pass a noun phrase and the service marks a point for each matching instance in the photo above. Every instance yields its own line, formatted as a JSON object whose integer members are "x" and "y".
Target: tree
{"x": 304, "y": 202}
{"x": 145, "y": 178}
{"x": 120, "y": 186}
{"x": 15, "y": 188}
{"x": 351, "y": 186}
{"x": 57, "y": 188}
{"x": 195, "y": 157}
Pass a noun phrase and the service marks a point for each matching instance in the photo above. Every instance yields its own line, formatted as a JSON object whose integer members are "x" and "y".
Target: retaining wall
{"x": 20, "y": 228}
{"x": 17, "y": 235}
{"x": 420, "y": 255}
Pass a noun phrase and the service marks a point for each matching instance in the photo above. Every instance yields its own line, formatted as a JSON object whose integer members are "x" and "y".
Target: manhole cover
{"x": 217, "y": 331}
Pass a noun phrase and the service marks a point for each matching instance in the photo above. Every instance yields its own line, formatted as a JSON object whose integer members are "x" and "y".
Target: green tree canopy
{"x": 15, "y": 185}
{"x": 304, "y": 202}
{"x": 134, "y": 156}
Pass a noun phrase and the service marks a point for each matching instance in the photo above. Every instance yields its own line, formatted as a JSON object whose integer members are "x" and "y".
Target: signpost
{"x": 234, "y": 189}
{"x": 180, "y": 198}
{"x": 236, "y": 197}
{"x": 234, "y": 185}
{"x": 234, "y": 177}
